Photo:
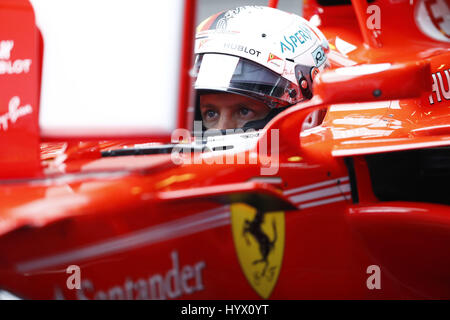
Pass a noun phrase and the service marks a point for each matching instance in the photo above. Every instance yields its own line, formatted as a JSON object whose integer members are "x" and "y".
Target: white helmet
{"x": 260, "y": 52}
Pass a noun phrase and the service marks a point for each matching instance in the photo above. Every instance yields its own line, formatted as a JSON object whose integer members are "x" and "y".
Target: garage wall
{"x": 207, "y": 8}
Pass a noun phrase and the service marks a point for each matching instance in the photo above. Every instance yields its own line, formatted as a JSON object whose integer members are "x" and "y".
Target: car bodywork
{"x": 320, "y": 216}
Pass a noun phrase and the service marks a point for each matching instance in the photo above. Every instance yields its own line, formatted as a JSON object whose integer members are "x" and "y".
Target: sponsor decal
{"x": 289, "y": 73}
{"x": 259, "y": 240}
{"x": 178, "y": 281}
{"x": 221, "y": 21}
{"x": 15, "y": 111}
{"x": 433, "y": 18}
{"x": 234, "y": 12}
{"x": 8, "y": 66}
{"x": 221, "y": 24}
{"x": 319, "y": 56}
{"x": 293, "y": 41}
{"x": 5, "y": 48}
{"x": 241, "y": 48}
{"x": 441, "y": 86}
{"x": 202, "y": 43}
{"x": 273, "y": 59}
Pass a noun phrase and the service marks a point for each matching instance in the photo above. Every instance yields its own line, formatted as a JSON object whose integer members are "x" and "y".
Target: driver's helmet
{"x": 259, "y": 52}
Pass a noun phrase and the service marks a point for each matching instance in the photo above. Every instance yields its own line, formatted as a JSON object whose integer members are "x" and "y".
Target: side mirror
{"x": 373, "y": 82}
{"x": 365, "y": 83}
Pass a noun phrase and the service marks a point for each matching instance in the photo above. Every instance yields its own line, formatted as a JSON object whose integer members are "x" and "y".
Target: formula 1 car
{"x": 95, "y": 203}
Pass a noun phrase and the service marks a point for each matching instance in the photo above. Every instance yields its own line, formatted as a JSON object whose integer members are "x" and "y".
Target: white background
{"x": 110, "y": 66}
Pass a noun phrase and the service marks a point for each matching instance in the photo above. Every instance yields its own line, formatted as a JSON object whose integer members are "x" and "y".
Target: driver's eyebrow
{"x": 207, "y": 105}
{"x": 243, "y": 105}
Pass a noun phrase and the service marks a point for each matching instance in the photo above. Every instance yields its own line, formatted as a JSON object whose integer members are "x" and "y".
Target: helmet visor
{"x": 238, "y": 75}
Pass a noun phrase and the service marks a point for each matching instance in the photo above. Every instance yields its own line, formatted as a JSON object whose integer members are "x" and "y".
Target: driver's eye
{"x": 245, "y": 112}
{"x": 210, "y": 114}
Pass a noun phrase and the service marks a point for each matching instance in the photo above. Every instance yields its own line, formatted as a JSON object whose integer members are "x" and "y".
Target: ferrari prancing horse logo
{"x": 259, "y": 241}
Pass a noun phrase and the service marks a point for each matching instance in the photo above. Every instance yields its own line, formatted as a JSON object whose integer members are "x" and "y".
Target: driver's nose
{"x": 226, "y": 121}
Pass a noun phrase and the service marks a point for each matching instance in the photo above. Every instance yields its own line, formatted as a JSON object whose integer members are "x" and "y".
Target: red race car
{"x": 100, "y": 199}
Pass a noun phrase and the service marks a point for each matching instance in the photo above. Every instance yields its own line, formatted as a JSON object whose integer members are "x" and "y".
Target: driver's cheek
{"x": 240, "y": 122}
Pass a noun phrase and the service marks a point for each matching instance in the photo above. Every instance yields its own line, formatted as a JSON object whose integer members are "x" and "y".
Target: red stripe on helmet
{"x": 207, "y": 24}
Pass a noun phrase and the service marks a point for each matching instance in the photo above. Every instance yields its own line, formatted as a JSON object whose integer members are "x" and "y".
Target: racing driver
{"x": 253, "y": 62}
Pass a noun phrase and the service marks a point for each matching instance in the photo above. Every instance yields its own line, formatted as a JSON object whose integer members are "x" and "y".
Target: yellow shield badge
{"x": 259, "y": 241}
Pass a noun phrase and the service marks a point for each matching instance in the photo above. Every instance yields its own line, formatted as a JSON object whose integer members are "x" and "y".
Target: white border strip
{"x": 322, "y": 193}
{"x": 194, "y": 224}
{"x": 315, "y": 185}
{"x": 322, "y": 202}
{"x": 356, "y": 107}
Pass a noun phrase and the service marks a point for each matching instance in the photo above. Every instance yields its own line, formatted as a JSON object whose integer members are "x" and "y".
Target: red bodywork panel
{"x": 145, "y": 227}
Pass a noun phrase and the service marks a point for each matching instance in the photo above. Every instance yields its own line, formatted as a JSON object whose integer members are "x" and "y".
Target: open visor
{"x": 233, "y": 74}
